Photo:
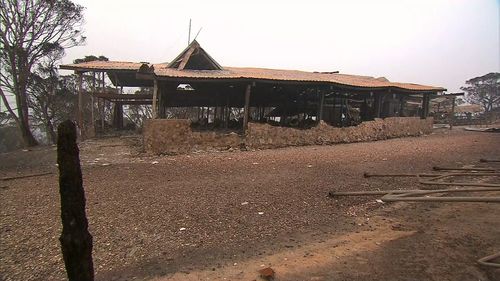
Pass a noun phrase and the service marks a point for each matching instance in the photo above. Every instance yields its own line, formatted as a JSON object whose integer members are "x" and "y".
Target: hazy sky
{"x": 441, "y": 43}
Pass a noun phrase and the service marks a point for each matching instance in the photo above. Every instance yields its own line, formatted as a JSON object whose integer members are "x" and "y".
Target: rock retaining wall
{"x": 174, "y": 136}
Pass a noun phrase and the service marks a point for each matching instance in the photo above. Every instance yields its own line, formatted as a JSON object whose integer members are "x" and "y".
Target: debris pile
{"x": 444, "y": 178}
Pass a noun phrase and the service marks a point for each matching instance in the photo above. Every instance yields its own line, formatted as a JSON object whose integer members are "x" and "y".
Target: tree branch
{"x": 7, "y": 105}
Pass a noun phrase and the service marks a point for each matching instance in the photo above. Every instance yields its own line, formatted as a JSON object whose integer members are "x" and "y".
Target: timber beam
{"x": 122, "y": 96}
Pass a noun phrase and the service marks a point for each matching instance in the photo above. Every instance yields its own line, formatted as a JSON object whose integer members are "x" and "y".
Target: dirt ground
{"x": 225, "y": 215}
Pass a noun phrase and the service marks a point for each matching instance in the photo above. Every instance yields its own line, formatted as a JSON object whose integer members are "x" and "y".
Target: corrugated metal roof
{"x": 289, "y": 75}
{"x": 103, "y": 65}
{"x": 161, "y": 70}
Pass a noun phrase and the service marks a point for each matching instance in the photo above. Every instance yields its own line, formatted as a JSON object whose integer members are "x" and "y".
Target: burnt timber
{"x": 261, "y": 94}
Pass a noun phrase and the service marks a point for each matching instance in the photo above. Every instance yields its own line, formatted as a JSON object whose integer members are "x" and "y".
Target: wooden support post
{"x": 118, "y": 115}
{"x": 81, "y": 124}
{"x": 99, "y": 108}
{"x": 341, "y": 110}
{"x": 425, "y": 106}
{"x": 160, "y": 105}
{"x": 363, "y": 112}
{"x": 227, "y": 113}
{"x": 401, "y": 105}
{"x": 93, "y": 102}
{"x": 165, "y": 95}
{"x": 103, "y": 82}
{"x": 103, "y": 103}
{"x": 378, "y": 105}
{"x": 452, "y": 113}
{"x": 321, "y": 104}
{"x": 246, "y": 113}
{"x": 155, "y": 100}
{"x": 118, "y": 108}
{"x": 76, "y": 241}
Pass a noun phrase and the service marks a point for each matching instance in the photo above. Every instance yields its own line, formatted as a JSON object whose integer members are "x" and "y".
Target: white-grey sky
{"x": 440, "y": 42}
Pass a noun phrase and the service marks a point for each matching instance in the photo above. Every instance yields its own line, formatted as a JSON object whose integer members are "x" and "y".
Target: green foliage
{"x": 484, "y": 90}
{"x": 91, "y": 58}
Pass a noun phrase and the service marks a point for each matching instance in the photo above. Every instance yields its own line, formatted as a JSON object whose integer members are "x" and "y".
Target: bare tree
{"x": 30, "y": 30}
{"x": 484, "y": 90}
{"x": 52, "y": 97}
{"x": 138, "y": 113}
{"x": 4, "y": 118}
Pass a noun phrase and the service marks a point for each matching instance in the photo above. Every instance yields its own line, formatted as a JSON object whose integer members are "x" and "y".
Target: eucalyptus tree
{"x": 30, "y": 32}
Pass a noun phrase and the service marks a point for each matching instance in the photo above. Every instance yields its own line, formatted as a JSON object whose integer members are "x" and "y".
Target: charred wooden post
{"x": 160, "y": 104}
{"x": 378, "y": 105}
{"x": 100, "y": 112}
{"x": 103, "y": 103}
{"x": 401, "y": 105}
{"x": 118, "y": 115}
{"x": 321, "y": 104}
{"x": 246, "y": 113}
{"x": 425, "y": 106}
{"x": 80, "y": 105}
{"x": 155, "y": 100}
{"x": 341, "y": 110}
{"x": 76, "y": 241}
{"x": 452, "y": 113}
{"x": 93, "y": 102}
{"x": 227, "y": 113}
{"x": 165, "y": 93}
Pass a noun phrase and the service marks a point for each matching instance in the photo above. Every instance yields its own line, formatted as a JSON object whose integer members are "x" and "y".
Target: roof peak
{"x": 194, "y": 57}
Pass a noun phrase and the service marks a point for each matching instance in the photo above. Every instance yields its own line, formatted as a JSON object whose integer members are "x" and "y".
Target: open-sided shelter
{"x": 282, "y": 97}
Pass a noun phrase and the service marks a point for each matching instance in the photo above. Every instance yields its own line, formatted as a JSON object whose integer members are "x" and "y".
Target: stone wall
{"x": 175, "y": 136}
{"x": 267, "y": 136}
{"x": 163, "y": 136}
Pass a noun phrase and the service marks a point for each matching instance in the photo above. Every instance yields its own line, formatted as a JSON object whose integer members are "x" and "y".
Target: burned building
{"x": 223, "y": 101}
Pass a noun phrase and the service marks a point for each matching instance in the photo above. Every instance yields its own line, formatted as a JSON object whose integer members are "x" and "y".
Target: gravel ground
{"x": 156, "y": 216}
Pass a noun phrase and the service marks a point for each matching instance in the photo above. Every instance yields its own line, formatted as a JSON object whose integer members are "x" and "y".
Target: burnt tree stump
{"x": 76, "y": 241}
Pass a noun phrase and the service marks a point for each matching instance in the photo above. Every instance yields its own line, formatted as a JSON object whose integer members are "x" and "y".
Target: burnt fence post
{"x": 76, "y": 241}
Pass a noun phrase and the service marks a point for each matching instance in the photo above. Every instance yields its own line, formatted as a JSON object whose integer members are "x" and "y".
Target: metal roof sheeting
{"x": 162, "y": 70}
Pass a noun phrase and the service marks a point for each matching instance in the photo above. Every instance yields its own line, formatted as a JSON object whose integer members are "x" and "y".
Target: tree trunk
{"x": 28, "y": 138}
{"x": 49, "y": 127}
{"x": 51, "y": 134}
{"x": 23, "y": 114}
